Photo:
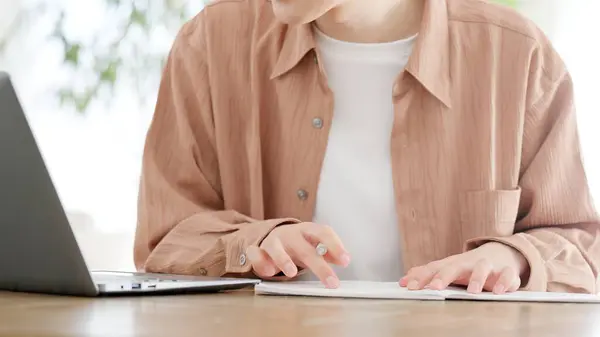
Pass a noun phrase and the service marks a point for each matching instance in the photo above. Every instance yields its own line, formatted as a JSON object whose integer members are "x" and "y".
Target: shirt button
{"x": 242, "y": 259}
{"x": 302, "y": 195}
{"x": 202, "y": 272}
{"x": 317, "y": 123}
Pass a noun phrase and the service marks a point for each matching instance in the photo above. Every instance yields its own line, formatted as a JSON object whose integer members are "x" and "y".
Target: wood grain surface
{"x": 244, "y": 314}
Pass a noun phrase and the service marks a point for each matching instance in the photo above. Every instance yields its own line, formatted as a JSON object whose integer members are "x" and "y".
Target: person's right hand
{"x": 288, "y": 247}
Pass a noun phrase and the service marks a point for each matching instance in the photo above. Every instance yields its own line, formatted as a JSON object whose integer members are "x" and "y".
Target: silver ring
{"x": 321, "y": 249}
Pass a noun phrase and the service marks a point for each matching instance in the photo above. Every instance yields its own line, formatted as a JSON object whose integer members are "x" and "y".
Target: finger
{"x": 479, "y": 277}
{"x": 261, "y": 262}
{"x": 328, "y": 258}
{"x": 306, "y": 253}
{"x": 410, "y": 274}
{"x": 418, "y": 277}
{"x": 445, "y": 276}
{"x": 336, "y": 252}
{"x": 404, "y": 279}
{"x": 506, "y": 281}
{"x": 515, "y": 286}
{"x": 281, "y": 258}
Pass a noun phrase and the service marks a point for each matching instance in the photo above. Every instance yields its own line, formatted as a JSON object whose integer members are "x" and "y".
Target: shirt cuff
{"x": 538, "y": 279}
{"x": 252, "y": 235}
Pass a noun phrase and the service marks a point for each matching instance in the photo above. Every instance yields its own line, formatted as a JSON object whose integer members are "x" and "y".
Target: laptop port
{"x": 136, "y": 286}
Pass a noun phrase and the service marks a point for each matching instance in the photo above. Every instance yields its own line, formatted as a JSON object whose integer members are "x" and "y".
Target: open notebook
{"x": 391, "y": 290}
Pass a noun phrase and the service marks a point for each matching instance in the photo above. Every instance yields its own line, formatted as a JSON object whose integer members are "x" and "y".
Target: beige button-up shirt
{"x": 484, "y": 144}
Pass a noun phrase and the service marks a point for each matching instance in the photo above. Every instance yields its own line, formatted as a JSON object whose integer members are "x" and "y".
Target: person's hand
{"x": 288, "y": 247}
{"x": 491, "y": 267}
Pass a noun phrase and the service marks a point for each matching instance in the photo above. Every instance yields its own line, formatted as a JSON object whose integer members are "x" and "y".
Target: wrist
{"x": 516, "y": 257}
{"x": 275, "y": 229}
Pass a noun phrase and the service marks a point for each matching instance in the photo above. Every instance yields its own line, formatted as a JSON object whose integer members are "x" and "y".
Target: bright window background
{"x": 94, "y": 158}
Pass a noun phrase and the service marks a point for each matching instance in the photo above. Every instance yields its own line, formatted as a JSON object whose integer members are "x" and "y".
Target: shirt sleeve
{"x": 558, "y": 229}
{"x": 182, "y": 226}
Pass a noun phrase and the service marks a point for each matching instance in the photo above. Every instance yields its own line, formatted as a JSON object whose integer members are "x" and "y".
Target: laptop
{"x": 38, "y": 249}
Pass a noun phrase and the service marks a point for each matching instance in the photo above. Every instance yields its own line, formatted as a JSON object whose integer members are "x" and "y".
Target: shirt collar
{"x": 429, "y": 62}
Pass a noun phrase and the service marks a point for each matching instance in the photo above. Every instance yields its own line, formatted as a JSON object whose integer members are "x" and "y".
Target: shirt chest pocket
{"x": 488, "y": 213}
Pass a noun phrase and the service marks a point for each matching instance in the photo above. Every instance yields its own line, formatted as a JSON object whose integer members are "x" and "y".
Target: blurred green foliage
{"x": 125, "y": 53}
{"x": 511, "y": 3}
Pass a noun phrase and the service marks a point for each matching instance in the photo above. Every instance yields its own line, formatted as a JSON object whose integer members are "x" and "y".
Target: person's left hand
{"x": 491, "y": 267}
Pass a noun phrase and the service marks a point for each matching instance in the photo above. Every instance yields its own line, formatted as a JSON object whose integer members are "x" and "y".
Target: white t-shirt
{"x": 356, "y": 192}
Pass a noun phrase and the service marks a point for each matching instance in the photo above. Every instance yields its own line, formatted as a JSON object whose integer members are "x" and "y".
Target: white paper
{"x": 392, "y": 290}
{"x": 347, "y": 289}
{"x": 524, "y": 296}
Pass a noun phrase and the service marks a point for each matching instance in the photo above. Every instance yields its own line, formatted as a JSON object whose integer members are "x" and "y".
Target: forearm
{"x": 209, "y": 243}
{"x": 568, "y": 258}
{"x": 560, "y": 259}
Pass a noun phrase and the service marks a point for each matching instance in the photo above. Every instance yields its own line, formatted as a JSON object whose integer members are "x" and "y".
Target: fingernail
{"x": 345, "y": 259}
{"x": 403, "y": 281}
{"x": 474, "y": 287}
{"x": 332, "y": 282}
{"x": 499, "y": 289}
{"x": 270, "y": 271}
{"x": 436, "y": 284}
{"x": 289, "y": 269}
{"x": 413, "y": 285}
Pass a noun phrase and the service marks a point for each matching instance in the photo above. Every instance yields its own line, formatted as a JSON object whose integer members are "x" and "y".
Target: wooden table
{"x": 244, "y": 314}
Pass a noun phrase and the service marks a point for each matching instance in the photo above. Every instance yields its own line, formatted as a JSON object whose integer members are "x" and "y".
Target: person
{"x": 429, "y": 142}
